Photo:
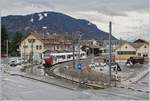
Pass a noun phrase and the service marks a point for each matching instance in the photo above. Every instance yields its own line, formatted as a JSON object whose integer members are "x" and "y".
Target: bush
{"x": 24, "y": 68}
{"x": 84, "y": 75}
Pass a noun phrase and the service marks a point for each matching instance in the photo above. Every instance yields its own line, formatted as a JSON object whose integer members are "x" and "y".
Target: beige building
{"x": 137, "y": 48}
{"x": 37, "y": 43}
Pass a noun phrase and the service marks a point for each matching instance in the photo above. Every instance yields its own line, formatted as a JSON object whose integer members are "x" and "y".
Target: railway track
{"x": 50, "y": 72}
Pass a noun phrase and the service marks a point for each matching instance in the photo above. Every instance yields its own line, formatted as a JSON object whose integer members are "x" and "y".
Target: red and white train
{"x": 54, "y": 58}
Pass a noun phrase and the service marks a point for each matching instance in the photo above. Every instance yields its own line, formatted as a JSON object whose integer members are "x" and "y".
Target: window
{"x": 126, "y": 47}
{"x": 40, "y": 47}
{"x": 37, "y": 47}
{"x": 57, "y": 46}
{"x": 25, "y": 46}
{"x": 145, "y": 47}
{"x": 69, "y": 56}
{"x": 61, "y": 56}
{"x": 126, "y": 52}
{"x": 139, "y": 54}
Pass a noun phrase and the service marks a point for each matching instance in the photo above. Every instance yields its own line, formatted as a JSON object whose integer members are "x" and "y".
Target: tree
{"x": 4, "y": 37}
{"x": 14, "y": 45}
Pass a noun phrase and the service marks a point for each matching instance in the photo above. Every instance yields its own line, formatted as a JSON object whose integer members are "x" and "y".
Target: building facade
{"x": 35, "y": 44}
{"x": 138, "y": 49}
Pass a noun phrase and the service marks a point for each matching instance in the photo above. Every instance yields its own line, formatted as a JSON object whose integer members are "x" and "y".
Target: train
{"x": 51, "y": 59}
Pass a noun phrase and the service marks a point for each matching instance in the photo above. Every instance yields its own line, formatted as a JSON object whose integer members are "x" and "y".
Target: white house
{"x": 140, "y": 49}
{"x": 36, "y": 43}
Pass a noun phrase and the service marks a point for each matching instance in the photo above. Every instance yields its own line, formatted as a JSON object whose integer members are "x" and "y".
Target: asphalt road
{"x": 142, "y": 84}
{"x": 18, "y": 88}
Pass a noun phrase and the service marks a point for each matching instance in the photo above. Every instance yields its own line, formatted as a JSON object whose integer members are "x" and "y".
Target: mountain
{"x": 54, "y": 22}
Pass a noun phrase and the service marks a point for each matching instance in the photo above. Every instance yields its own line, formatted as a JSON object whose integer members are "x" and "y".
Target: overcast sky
{"x": 130, "y": 18}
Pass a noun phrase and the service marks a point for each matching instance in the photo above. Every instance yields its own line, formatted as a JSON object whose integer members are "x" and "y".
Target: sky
{"x": 130, "y": 18}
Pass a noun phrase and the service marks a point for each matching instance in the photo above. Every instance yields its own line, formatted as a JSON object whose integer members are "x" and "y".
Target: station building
{"x": 36, "y": 43}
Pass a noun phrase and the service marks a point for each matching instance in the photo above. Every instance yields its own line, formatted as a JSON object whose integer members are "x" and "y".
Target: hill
{"x": 54, "y": 22}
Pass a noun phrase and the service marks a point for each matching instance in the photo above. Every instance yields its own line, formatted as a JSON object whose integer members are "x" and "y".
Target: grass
{"x": 85, "y": 75}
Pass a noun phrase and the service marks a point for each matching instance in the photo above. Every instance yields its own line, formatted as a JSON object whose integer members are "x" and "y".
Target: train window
{"x": 63, "y": 56}
{"x": 69, "y": 56}
{"x": 82, "y": 54}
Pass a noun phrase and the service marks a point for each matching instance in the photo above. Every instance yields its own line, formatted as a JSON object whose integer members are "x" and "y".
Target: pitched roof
{"x": 140, "y": 41}
{"x": 136, "y": 45}
{"x": 49, "y": 39}
{"x": 35, "y": 34}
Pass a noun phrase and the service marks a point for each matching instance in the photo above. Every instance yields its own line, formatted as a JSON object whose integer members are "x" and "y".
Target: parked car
{"x": 12, "y": 63}
{"x": 16, "y": 61}
{"x": 135, "y": 60}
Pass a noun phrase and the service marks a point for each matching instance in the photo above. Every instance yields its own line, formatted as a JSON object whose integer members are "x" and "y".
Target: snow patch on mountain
{"x": 40, "y": 16}
{"x": 45, "y": 14}
{"x": 26, "y": 28}
{"x": 89, "y": 23}
{"x": 31, "y": 20}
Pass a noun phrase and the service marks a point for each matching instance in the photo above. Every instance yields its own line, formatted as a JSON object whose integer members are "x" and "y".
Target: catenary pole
{"x": 110, "y": 55}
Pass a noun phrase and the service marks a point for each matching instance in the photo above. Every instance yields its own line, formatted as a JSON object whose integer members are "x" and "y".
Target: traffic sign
{"x": 79, "y": 66}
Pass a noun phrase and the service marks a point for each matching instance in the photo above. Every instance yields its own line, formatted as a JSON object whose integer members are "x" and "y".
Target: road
{"x": 142, "y": 84}
{"x": 138, "y": 91}
{"x": 19, "y": 88}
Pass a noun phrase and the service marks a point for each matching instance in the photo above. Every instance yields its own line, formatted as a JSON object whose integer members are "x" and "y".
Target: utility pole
{"x": 7, "y": 51}
{"x": 110, "y": 55}
{"x": 93, "y": 54}
{"x": 79, "y": 43}
{"x": 24, "y": 50}
{"x": 73, "y": 48}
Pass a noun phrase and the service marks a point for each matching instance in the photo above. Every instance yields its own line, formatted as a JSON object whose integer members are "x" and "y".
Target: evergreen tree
{"x": 4, "y": 37}
{"x": 14, "y": 45}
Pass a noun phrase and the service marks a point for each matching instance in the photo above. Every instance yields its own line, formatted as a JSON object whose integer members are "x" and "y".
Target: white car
{"x": 16, "y": 61}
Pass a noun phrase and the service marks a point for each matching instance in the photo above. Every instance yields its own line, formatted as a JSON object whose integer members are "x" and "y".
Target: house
{"x": 91, "y": 47}
{"x": 35, "y": 44}
{"x": 114, "y": 45}
{"x": 131, "y": 49}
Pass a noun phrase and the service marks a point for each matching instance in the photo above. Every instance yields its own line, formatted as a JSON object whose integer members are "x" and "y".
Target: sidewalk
{"x": 128, "y": 82}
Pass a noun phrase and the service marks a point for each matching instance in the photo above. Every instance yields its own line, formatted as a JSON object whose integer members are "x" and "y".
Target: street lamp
{"x": 110, "y": 52}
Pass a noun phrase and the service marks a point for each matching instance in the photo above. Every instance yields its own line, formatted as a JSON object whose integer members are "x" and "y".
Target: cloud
{"x": 129, "y": 17}
{"x": 109, "y": 7}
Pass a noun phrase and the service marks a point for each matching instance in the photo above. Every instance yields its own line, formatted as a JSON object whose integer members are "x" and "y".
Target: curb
{"x": 139, "y": 90}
